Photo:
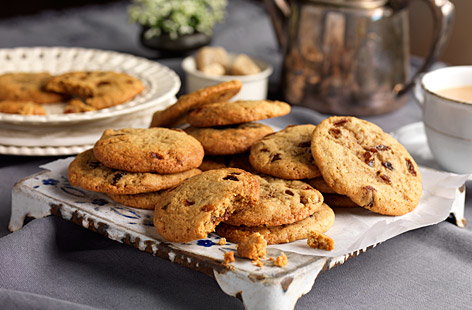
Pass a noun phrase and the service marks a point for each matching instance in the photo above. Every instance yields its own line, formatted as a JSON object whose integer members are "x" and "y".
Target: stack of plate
{"x": 64, "y": 134}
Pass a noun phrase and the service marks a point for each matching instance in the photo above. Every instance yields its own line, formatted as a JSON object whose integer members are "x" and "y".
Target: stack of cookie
{"x": 222, "y": 127}
{"x": 133, "y": 166}
{"x": 289, "y": 208}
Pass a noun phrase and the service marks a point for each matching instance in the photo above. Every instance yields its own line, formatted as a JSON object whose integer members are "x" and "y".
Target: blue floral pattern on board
{"x": 50, "y": 182}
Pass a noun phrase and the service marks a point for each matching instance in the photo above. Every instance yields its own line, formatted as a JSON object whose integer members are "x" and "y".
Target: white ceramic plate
{"x": 161, "y": 82}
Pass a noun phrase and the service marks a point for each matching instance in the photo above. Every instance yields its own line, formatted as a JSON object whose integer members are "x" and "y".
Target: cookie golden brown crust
{"x": 21, "y": 107}
{"x": 87, "y": 172}
{"x": 237, "y": 112}
{"x": 286, "y": 154}
{"x": 27, "y": 87}
{"x": 229, "y": 140}
{"x": 159, "y": 150}
{"x": 216, "y": 93}
{"x": 359, "y": 160}
{"x": 97, "y": 89}
{"x": 145, "y": 201}
{"x": 193, "y": 209}
{"x": 281, "y": 202}
{"x": 320, "y": 221}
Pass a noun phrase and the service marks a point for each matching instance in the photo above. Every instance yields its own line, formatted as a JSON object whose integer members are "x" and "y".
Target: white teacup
{"x": 448, "y": 122}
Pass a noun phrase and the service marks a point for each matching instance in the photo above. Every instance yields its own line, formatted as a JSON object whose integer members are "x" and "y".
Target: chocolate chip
{"x": 368, "y": 159}
{"x": 265, "y": 150}
{"x": 207, "y": 208}
{"x": 410, "y": 166}
{"x": 335, "y": 132}
{"x": 276, "y": 157}
{"x": 384, "y": 177}
{"x": 289, "y": 192}
{"x": 304, "y": 144}
{"x": 103, "y": 83}
{"x": 235, "y": 173}
{"x": 382, "y": 147}
{"x": 189, "y": 203}
{"x": 340, "y": 122}
{"x": 117, "y": 177}
{"x": 369, "y": 188}
{"x": 231, "y": 178}
{"x": 387, "y": 165}
{"x": 94, "y": 164}
{"x": 304, "y": 200}
{"x": 165, "y": 207}
{"x": 157, "y": 155}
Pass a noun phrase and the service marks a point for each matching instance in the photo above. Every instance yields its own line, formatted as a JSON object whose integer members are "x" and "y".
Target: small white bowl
{"x": 254, "y": 86}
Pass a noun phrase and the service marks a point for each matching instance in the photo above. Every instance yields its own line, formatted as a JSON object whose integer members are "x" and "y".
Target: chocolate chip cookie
{"x": 359, "y": 160}
{"x": 237, "y": 112}
{"x": 216, "y": 93}
{"x": 229, "y": 139}
{"x": 320, "y": 221}
{"x": 87, "y": 172}
{"x": 159, "y": 150}
{"x": 286, "y": 154}
{"x": 281, "y": 202}
{"x": 193, "y": 209}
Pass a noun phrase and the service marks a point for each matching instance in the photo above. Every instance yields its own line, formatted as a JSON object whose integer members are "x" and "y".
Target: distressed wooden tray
{"x": 49, "y": 193}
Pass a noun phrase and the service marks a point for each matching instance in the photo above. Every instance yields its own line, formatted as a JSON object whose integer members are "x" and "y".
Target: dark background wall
{"x": 13, "y": 8}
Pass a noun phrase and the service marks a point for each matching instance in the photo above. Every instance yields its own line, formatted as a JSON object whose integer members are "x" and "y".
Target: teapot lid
{"x": 367, "y": 4}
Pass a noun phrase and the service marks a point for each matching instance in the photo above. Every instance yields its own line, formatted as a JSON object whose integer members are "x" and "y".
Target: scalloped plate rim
{"x": 118, "y": 110}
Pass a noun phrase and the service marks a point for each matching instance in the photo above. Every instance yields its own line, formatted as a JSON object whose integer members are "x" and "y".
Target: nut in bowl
{"x": 254, "y": 86}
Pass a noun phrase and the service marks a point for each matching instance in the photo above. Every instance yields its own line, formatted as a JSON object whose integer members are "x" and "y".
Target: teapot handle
{"x": 443, "y": 16}
{"x": 279, "y": 11}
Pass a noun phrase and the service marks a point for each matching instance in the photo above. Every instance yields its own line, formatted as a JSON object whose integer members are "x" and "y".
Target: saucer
{"x": 413, "y": 138}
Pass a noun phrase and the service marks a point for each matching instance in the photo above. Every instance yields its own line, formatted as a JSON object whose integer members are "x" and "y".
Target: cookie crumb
{"x": 229, "y": 258}
{"x": 222, "y": 241}
{"x": 258, "y": 262}
{"x": 253, "y": 247}
{"x": 281, "y": 260}
{"x": 317, "y": 240}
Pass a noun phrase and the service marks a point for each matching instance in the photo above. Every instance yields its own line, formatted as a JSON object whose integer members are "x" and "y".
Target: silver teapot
{"x": 351, "y": 56}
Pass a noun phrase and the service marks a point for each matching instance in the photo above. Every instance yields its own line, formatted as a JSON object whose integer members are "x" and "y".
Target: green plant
{"x": 177, "y": 17}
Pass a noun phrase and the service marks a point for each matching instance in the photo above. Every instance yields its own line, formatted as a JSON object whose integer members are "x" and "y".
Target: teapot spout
{"x": 279, "y": 12}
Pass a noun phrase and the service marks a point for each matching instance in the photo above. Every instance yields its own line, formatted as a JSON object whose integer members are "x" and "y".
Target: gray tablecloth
{"x": 53, "y": 264}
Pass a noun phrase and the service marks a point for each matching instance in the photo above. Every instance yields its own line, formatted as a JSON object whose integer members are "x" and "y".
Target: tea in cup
{"x": 446, "y": 98}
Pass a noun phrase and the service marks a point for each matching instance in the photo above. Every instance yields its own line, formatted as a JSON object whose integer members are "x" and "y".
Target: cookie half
{"x": 193, "y": 209}
{"x": 281, "y": 202}
{"x": 237, "y": 112}
{"x": 27, "y": 87}
{"x": 87, "y": 172}
{"x": 97, "y": 89}
{"x": 159, "y": 150}
{"x": 320, "y": 221}
{"x": 145, "y": 201}
{"x": 359, "y": 160}
{"x": 229, "y": 140}
{"x": 286, "y": 154}
{"x": 219, "y": 92}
